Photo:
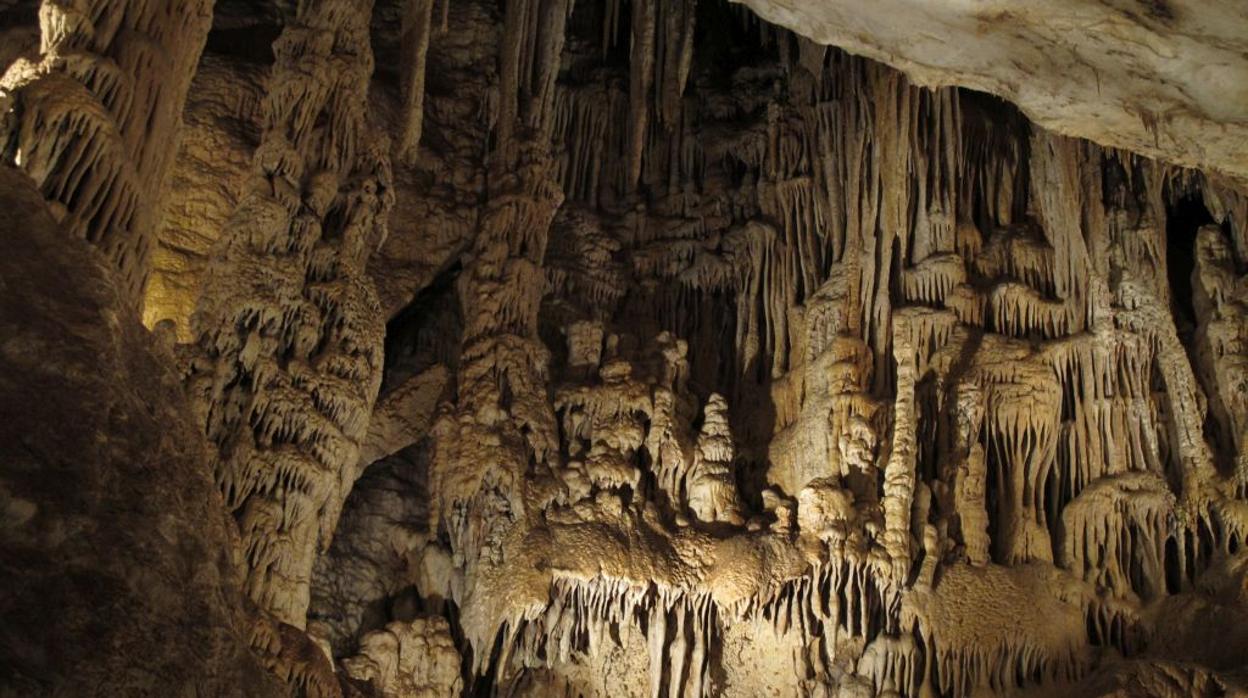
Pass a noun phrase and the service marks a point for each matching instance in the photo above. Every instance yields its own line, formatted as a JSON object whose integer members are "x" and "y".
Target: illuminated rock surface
{"x": 1165, "y": 78}
{"x": 559, "y": 348}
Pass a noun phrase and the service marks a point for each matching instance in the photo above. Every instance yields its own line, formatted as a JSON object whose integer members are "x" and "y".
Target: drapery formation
{"x": 93, "y": 119}
{"x": 645, "y": 348}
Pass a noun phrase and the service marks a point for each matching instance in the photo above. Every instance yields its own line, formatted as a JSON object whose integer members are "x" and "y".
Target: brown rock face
{"x": 628, "y": 348}
{"x": 118, "y": 574}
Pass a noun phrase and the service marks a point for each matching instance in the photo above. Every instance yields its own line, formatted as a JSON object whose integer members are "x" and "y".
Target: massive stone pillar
{"x": 288, "y": 354}
{"x": 498, "y": 444}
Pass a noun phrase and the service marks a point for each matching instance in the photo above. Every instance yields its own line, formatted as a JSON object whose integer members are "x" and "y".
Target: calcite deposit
{"x": 623, "y": 348}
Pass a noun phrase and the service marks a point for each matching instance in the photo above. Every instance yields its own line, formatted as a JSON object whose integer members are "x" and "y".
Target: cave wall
{"x": 119, "y": 573}
{"x": 548, "y": 347}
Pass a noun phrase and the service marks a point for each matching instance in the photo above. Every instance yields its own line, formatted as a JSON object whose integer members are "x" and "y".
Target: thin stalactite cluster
{"x": 646, "y": 348}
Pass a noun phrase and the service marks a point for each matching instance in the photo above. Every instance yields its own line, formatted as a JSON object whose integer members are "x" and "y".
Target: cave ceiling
{"x": 654, "y": 348}
{"x": 1163, "y": 78}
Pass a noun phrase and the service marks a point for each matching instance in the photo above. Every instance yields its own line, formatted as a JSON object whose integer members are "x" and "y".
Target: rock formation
{"x": 118, "y": 574}
{"x": 1165, "y": 78}
{"x": 90, "y": 122}
{"x": 287, "y": 361}
{"x": 559, "y": 347}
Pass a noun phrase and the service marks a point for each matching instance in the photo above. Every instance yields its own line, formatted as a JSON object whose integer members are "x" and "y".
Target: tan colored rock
{"x": 403, "y": 416}
{"x": 700, "y": 359}
{"x": 712, "y": 483}
{"x": 93, "y": 119}
{"x": 1164, "y": 79}
{"x": 288, "y": 354}
{"x": 408, "y": 660}
{"x": 220, "y": 131}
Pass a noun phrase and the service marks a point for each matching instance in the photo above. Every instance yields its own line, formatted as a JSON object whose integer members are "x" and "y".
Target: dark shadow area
{"x": 246, "y": 29}
{"x": 425, "y": 333}
{"x": 1184, "y": 218}
{"x": 360, "y": 584}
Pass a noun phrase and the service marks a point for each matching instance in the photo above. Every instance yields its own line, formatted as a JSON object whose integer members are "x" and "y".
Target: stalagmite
{"x": 408, "y": 660}
{"x": 712, "y": 485}
{"x": 899, "y": 473}
{"x": 1222, "y": 299}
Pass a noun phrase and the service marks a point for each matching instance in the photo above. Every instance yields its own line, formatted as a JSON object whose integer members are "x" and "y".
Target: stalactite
{"x": 1116, "y": 532}
{"x": 768, "y": 345}
{"x": 950, "y": 328}
{"x": 641, "y": 81}
{"x": 750, "y": 366}
{"x": 932, "y": 280}
{"x": 93, "y": 121}
{"x": 417, "y": 27}
{"x": 1105, "y": 379}
{"x": 1055, "y": 166}
{"x": 588, "y": 121}
{"x": 1043, "y": 636}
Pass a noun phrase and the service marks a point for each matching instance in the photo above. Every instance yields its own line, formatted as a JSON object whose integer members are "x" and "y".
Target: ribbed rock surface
{"x": 628, "y": 348}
